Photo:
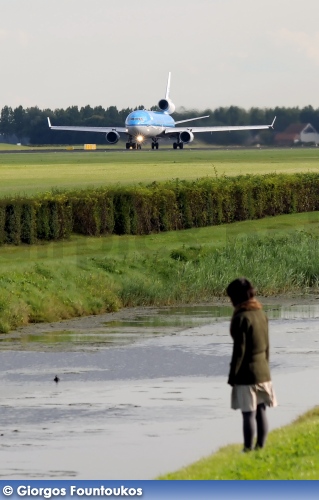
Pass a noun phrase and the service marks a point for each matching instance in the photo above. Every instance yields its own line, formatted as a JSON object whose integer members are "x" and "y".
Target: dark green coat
{"x": 250, "y": 360}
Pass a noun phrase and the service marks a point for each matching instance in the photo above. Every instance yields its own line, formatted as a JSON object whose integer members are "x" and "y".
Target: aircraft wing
{"x": 174, "y": 130}
{"x": 104, "y": 130}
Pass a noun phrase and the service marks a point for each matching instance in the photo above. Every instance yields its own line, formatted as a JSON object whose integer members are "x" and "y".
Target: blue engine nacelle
{"x": 186, "y": 136}
{"x": 112, "y": 137}
{"x": 167, "y": 106}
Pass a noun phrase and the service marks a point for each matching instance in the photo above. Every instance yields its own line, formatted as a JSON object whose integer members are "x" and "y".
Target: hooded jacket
{"x": 250, "y": 359}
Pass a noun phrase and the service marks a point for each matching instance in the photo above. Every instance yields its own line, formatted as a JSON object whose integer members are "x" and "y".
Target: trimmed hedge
{"x": 27, "y": 220}
{"x": 167, "y": 206}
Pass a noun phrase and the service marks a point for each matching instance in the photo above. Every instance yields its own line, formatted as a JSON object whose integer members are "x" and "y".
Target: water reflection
{"x": 102, "y": 331}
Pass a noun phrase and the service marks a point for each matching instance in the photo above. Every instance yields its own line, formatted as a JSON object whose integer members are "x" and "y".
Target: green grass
{"x": 12, "y": 147}
{"x": 94, "y": 275}
{"x": 39, "y": 172}
{"x": 292, "y": 452}
{"x": 128, "y": 246}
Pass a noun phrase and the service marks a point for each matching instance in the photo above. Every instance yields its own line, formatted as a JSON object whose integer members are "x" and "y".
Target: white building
{"x": 298, "y": 133}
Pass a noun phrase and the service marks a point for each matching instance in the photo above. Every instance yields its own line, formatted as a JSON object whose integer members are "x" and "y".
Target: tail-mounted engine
{"x": 112, "y": 137}
{"x": 186, "y": 136}
{"x": 167, "y": 106}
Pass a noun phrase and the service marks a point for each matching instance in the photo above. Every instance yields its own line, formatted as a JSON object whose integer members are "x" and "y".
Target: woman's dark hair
{"x": 240, "y": 290}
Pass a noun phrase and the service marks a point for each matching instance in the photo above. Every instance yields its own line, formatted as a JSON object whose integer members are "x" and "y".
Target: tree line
{"x": 29, "y": 125}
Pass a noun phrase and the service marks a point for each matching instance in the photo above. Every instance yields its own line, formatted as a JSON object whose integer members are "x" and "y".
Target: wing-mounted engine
{"x": 112, "y": 137}
{"x": 186, "y": 136}
{"x": 167, "y": 106}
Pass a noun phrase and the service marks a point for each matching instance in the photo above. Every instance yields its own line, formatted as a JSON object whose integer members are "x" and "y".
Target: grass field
{"x": 12, "y": 147}
{"x": 94, "y": 275}
{"x": 292, "y": 452}
{"x": 39, "y": 172}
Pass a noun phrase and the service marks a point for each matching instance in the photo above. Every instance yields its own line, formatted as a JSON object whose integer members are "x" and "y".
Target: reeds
{"x": 188, "y": 274}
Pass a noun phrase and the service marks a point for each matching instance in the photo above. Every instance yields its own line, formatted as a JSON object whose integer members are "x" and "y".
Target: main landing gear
{"x": 179, "y": 145}
{"x": 154, "y": 144}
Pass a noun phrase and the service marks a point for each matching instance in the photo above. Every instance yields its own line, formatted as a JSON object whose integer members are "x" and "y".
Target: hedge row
{"x": 29, "y": 220}
{"x": 158, "y": 207}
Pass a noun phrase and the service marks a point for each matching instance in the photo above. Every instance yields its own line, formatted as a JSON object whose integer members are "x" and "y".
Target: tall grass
{"x": 274, "y": 264}
{"x": 92, "y": 285}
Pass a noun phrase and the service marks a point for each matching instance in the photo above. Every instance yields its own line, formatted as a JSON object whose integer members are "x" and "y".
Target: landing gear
{"x": 154, "y": 145}
{"x": 179, "y": 145}
{"x": 133, "y": 145}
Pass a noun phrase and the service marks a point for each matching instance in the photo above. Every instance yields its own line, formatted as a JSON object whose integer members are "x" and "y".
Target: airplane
{"x": 142, "y": 124}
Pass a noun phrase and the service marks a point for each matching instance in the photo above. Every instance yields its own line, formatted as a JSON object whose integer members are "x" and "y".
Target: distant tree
{"x": 237, "y": 116}
{"x": 256, "y": 116}
{"x": 73, "y": 114}
{"x": 19, "y": 123}
{"x": 112, "y": 115}
{"x": 310, "y": 115}
{"x": 6, "y": 121}
{"x": 86, "y": 112}
{"x": 221, "y": 116}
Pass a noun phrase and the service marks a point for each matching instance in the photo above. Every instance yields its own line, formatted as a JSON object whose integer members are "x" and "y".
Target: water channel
{"x": 141, "y": 392}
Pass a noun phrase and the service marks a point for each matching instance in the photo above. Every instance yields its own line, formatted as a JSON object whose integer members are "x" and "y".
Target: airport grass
{"x": 12, "y": 147}
{"x": 292, "y": 452}
{"x": 85, "y": 276}
{"x": 40, "y": 172}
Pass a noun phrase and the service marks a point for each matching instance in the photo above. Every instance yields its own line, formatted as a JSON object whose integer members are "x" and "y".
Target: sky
{"x": 60, "y": 53}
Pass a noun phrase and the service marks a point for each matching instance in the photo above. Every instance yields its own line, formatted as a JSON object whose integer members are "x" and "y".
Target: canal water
{"x": 141, "y": 392}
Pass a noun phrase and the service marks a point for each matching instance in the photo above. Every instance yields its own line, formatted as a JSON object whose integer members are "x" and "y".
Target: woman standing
{"x": 249, "y": 373}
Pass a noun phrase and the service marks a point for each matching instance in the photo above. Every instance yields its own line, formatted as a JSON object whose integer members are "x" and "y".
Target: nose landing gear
{"x": 132, "y": 145}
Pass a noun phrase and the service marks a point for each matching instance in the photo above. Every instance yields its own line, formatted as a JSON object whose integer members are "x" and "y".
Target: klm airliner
{"x": 142, "y": 124}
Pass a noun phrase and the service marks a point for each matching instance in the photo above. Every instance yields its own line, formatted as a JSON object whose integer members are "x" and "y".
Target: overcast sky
{"x": 59, "y": 53}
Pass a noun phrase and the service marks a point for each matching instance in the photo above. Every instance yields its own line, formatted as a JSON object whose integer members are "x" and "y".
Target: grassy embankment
{"x": 32, "y": 173}
{"x": 94, "y": 275}
{"x": 292, "y": 452}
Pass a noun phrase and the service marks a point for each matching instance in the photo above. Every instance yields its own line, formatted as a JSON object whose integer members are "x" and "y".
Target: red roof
{"x": 292, "y": 133}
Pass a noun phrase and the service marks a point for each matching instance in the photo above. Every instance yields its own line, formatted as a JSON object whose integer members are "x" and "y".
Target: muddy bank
{"x": 218, "y": 308}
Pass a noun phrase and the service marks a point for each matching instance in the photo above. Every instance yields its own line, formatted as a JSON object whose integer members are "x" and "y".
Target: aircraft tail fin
{"x": 168, "y": 86}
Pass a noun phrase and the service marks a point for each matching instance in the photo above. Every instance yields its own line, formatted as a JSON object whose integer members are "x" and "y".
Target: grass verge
{"x": 33, "y": 173}
{"x": 292, "y": 452}
{"x": 95, "y": 275}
